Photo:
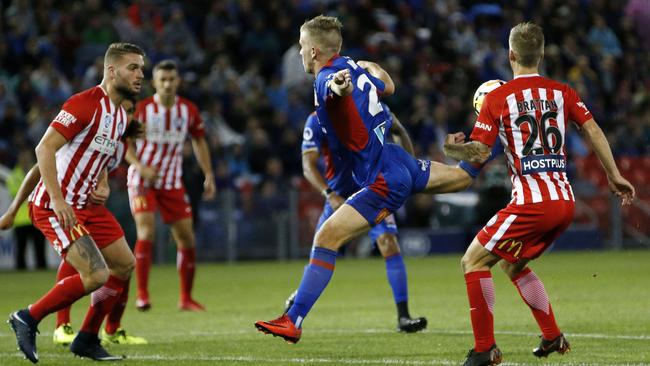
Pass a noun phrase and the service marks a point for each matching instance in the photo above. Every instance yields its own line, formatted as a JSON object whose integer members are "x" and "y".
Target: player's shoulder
{"x": 145, "y": 101}
{"x": 184, "y": 101}
{"x": 83, "y": 98}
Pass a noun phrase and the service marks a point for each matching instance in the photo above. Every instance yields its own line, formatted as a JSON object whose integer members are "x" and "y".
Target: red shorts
{"x": 94, "y": 220}
{"x": 173, "y": 203}
{"x": 525, "y": 231}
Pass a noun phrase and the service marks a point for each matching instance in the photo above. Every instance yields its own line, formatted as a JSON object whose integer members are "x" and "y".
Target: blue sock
{"x": 396, "y": 273}
{"x": 314, "y": 280}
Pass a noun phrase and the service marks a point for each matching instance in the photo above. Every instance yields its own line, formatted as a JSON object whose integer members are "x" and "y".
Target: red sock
{"x": 532, "y": 291}
{"x": 65, "y": 270}
{"x": 115, "y": 316}
{"x": 480, "y": 291}
{"x": 142, "y": 267}
{"x": 101, "y": 303}
{"x": 64, "y": 293}
{"x": 185, "y": 260}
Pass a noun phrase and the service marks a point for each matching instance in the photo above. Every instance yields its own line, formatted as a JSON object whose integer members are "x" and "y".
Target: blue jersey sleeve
{"x": 311, "y": 134}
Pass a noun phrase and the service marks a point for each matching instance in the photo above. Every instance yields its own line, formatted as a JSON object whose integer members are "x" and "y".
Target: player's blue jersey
{"x": 354, "y": 125}
{"x": 337, "y": 172}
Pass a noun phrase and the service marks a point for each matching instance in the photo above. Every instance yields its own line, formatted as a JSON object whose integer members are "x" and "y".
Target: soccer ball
{"x": 483, "y": 90}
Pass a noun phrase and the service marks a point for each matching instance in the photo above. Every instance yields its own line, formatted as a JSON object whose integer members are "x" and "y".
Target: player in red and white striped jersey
{"x": 530, "y": 115}
{"x": 154, "y": 179}
{"x": 72, "y": 157}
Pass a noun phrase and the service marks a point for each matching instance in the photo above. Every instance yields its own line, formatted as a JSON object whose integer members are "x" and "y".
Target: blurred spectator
{"x": 23, "y": 228}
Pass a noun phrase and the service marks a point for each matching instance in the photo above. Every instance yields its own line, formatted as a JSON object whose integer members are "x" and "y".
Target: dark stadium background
{"x": 240, "y": 64}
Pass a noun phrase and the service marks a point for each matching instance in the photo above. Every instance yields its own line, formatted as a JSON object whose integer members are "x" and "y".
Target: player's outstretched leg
{"x": 397, "y": 278}
{"x": 345, "y": 224}
{"x": 63, "y": 333}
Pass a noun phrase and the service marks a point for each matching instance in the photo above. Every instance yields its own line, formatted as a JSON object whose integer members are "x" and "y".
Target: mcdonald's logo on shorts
{"x": 140, "y": 203}
{"x": 77, "y": 232}
{"x": 512, "y": 246}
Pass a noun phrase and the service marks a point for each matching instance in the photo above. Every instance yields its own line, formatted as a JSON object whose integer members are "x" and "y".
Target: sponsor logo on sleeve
{"x": 483, "y": 126}
{"x": 542, "y": 163}
{"x": 65, "y": 118}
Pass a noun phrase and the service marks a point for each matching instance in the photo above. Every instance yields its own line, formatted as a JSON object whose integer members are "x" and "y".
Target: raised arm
{"x": 398, "y": 130}
{"x": 202, "y": 153}
{"x": 381, "y": 74}
{"x": 26, "y": 187}
{"x": 472, "y": 151}
{"x": 619, "y": 185}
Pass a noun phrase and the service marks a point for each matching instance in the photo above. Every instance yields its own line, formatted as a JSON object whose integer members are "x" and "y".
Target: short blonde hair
{"x": 527, "y": 42}
{"x": 325, "y": 32}
{"x": 117, "y": 50}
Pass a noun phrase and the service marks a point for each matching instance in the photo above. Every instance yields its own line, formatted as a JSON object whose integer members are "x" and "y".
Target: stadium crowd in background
{"x": 437, "y": 52}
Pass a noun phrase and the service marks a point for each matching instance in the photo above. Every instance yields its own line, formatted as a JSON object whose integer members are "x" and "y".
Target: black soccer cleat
{"x": 88, "y": 345}
{"x": 546, "y": 347}
{"x": 408, "y": 325}
{"x": 25, "y": 328}
{"x": 491, "y": 357}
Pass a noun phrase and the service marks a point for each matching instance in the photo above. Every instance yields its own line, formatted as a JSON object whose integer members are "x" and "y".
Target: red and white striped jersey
{"x": 93, "y": 126}
{"x": 162, "y": 146}
{"x": 530, "y": 114}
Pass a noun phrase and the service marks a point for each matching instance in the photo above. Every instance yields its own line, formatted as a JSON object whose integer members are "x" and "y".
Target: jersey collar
{"x": 332, "y": 59}
{"x": 526, "y": 76}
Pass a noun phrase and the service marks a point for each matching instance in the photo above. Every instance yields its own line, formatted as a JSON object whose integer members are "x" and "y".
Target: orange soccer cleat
{"x": 280, "y": 327}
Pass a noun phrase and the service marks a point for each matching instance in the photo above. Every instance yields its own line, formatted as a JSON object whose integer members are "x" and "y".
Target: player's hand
{"x": 209, "y": 188}
{"x": 7, "y": 220}
{"x": 100, "y": 194}
{"x": 148, "y": 173}
{"x": 335, "y": 200}
{"x": 455, "y": 138}
{"x": 622, "y": 189}
{"x": 342, "y": 78}
{"x": 64, "y": 213}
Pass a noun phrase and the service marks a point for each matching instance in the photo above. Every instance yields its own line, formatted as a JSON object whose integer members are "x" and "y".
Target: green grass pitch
{"x": 601, "y": 300}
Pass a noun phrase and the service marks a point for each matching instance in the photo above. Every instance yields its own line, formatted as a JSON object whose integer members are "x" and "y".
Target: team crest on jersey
{"x": 108, "y": 119}
{"x": 177, "y": 123}
{"x": 307, "y": 134}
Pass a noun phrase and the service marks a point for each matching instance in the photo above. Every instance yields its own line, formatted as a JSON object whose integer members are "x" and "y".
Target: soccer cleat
{"x": 87, "y": 345}
{"x": 408, "y": 325}
{"x": 190, "y": 305}
{"x": 142, "y": 304}
{"x": 22, "y": 325}
{"x": 280, "y": 327}
{"x": 63, "y": 334}
{"x": 120, "y": 337}
{"x": 546, "y": 347}
{"x": 289, "y": 302}
{"x": 491, "y": 357}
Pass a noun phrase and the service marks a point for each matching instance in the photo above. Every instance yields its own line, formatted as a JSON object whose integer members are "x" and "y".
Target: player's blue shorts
{"x": 388, "y": 226}
{"x": 400, "y": 176}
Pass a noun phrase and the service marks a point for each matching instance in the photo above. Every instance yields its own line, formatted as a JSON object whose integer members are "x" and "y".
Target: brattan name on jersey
{"x": 542, "y": 163}
{"x": 348, "y": 120}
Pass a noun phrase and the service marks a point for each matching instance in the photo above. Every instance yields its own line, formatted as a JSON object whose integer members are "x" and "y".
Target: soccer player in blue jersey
{"x": 354, "y": 123}
{"x": 336, "y": 185}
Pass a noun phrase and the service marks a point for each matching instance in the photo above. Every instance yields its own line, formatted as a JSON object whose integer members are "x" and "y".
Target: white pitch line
{"x": 297, "y": 360}
{"x": 640, "y": 337}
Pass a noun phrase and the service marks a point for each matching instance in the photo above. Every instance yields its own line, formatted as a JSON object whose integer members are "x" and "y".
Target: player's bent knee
{"x": 96, "y": 279}
{"x": 387, "y": 245}
{"x": 328, "y": 238}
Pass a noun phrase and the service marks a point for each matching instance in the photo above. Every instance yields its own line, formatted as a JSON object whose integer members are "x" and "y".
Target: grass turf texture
{"x": 601, "y": 300}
